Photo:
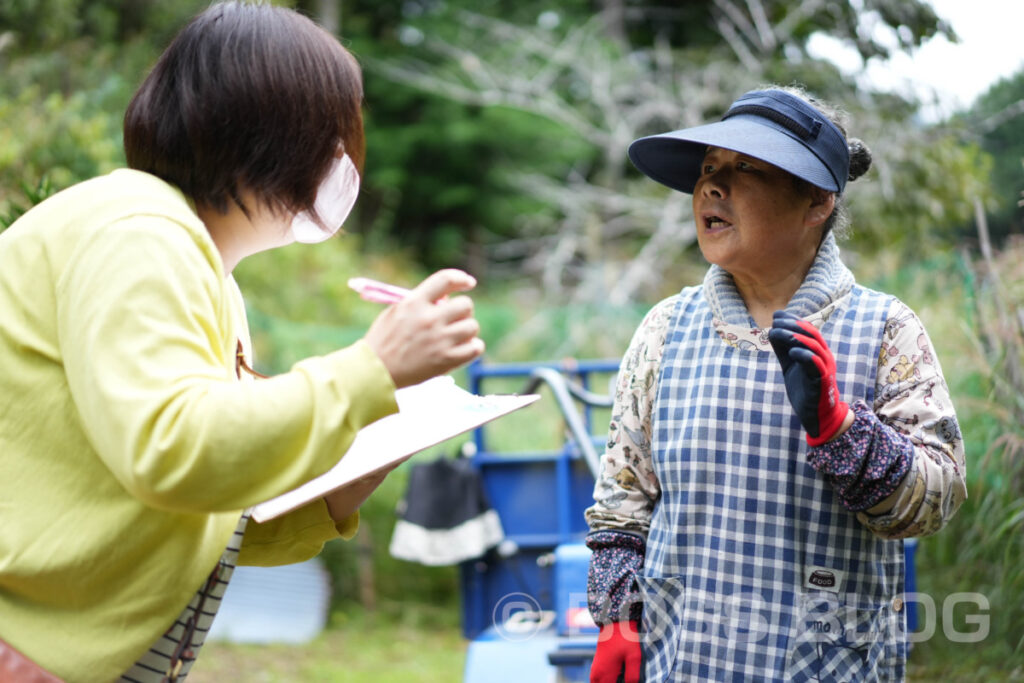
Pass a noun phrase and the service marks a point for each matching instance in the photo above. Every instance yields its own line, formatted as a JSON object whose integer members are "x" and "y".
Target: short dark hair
{"x": 247, "y": 96}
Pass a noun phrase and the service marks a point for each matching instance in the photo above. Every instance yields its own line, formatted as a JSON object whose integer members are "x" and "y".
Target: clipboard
{"x": 428, "y": 413}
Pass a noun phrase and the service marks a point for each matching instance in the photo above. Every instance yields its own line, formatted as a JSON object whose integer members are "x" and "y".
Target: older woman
{"x": 777, "y": 430}
{"x": 129, "y": 447}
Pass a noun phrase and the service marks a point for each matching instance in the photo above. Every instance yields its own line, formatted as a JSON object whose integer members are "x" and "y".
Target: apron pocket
{"x": 839, "y": 639}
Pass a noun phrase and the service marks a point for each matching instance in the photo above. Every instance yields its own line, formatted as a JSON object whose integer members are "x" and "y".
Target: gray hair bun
{"x": 860, "y": 158}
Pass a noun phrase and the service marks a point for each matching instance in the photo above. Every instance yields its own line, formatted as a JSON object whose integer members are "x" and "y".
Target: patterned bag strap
{"x": 240, "y": 363}
{"x": 183, "y": 652}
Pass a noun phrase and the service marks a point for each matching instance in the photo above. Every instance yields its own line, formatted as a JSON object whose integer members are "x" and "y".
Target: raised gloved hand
{"x": 810, "y": 375}
{"x": 618, "y": 652}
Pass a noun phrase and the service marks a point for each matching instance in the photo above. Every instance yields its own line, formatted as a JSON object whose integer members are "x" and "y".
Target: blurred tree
{"x": 997, "y": 120}
{"x": 492, "y": 142}
{"x": 607, "y": 237}
{"x": 441, "y": 174}
{"x": 70, "y": 67}
{"x": 497, "y": 136}
{"x": 435, "y": 174}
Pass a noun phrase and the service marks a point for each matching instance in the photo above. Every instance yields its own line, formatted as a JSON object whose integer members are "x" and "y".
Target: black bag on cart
{"x": 445, "y": 517}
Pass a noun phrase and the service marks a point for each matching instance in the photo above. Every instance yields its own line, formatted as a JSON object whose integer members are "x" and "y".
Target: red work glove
{"x": 618, "y": 648}
{"x": 810, "y": 374}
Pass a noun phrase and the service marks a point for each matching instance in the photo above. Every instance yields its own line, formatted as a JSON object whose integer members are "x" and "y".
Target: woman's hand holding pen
{"x": 428, "y": 333}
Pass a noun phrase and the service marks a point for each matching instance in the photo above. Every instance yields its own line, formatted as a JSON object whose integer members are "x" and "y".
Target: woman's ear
{"x": 822, "y": 204}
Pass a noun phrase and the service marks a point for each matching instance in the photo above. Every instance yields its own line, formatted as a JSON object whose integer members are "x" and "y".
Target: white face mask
{"x": 334, "y": 200}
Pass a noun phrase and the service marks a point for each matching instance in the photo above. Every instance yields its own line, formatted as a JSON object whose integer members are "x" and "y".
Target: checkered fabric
{"x": 754, "y": 572}
{"x": 170, "y": 658}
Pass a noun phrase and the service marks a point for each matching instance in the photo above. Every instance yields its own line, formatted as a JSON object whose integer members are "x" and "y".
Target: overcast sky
{"x": 991, "y": 47}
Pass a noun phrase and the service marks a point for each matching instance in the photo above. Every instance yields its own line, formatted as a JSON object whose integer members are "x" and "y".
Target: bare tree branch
{"x": 1011, "y": 111}
{"x": 739, "y": 23}
{"x": 675, "y": 227}
{"x": 606, "y": 235}
{"x": 784, "y": 29}
{"x": 727, "y": 28}
{"x": 603, "y": 241}
{"x": 764, "y": 28}
{"x": 513, "y": 94}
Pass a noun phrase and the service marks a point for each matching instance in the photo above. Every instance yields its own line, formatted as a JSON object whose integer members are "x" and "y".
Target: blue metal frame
{"x": 539, "y": 496}
{"x": 582, "y": 371}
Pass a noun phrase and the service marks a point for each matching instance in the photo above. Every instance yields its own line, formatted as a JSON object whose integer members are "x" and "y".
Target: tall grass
{"x": 984, "y": 546}
{"x": 973, "y": 308}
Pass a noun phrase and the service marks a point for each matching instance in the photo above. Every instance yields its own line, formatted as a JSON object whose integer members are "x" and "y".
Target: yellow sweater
{"x": 128, "y": 448}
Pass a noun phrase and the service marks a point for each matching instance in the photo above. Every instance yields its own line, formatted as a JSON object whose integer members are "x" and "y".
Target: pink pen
{"x": 378, "y": 292}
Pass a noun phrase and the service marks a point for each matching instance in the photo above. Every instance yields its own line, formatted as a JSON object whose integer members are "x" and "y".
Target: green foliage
{"x": 921, "y": 190}
{"x": 442, "y": 177}
{"x": 911, "y": 24}
{"x": 66, "y": 134}
{"x": 70, "y": 68}
{"x": 392, "y": 580}
{"x": 964, "y": 306}
{"x": 997, "y": 119}
{"x": 43, "y": 25}
{"x": 435, "y": 186}
{"x": 34, "y": 195}
{"x": 397, "y": 643}
{"x": 438, "y": 172}
{"x": 299, "y": 303}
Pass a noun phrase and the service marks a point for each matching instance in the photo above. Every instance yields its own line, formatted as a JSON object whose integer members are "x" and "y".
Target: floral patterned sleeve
{"x": 625, "y": 492}
{"x": 912, "y": 398}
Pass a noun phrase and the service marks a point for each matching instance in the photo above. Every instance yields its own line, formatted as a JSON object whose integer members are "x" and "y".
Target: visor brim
{"x": 674, "y": 158}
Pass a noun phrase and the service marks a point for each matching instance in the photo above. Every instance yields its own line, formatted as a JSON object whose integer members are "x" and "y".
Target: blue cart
{"x": 524, "y": 605}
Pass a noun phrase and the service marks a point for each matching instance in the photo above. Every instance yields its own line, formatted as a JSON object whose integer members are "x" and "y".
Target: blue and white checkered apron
{"x": 753, "y": 571}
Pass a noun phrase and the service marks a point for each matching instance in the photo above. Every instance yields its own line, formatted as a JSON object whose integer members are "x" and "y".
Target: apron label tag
{"x": 824, "y": 579}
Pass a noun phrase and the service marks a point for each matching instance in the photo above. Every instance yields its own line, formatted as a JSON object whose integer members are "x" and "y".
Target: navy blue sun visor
{"x": 770, "y": 125}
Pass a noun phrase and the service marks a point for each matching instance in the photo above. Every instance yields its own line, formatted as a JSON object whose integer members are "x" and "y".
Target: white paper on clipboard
{"x": 428, "y": 413}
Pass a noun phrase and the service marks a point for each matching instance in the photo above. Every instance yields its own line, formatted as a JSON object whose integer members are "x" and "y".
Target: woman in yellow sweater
{"x": 129, "y": 447}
